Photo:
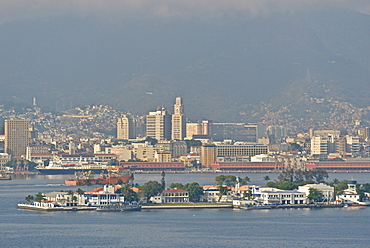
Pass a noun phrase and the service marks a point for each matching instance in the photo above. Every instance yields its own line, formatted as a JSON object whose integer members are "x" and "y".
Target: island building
{"x": 282, "y": 197}
{"x": 126, "y": 127}
{"x": 327, "y": 191}
{"x": 350, "y": 194}
{"x": 178, "y": 121}
{"x": 17, "y": 136}
{"x": 158, "y": 125}
{"x": 171, "y": 196}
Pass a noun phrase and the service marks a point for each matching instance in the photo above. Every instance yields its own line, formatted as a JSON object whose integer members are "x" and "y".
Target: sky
{"x": 13, "y": 10}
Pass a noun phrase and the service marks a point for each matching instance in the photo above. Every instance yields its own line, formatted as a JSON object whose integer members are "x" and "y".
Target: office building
{"x": 126, "y": 128}
{"x": 158, "y": 125}
{"x": 17, "y": 136}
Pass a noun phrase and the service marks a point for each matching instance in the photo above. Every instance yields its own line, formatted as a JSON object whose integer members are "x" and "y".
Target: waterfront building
{"x": 17, "y": 136}
{"x": 339, "y": 166}
{"x": 175, "y": 196}
{"x": 126, "y": 127}
{"x": 211, "y": 193}
{"x": 102, "y": 196}
{"x": 4, "y": 158}
{"x": 208, "y": 155}
{"x": 326, "y": 190}
{"x": 350, "y": 194}
{"x": 178, "y": 121}
{"x": 158, "y": 125}
{"x": 154, "y": 166}
{"x": 163, "y": 157}
{"x": 282, "y": 197}
{"x": 228, "y": 149}
{"x": 244, "y": 166}
{"x": 290, "y": 162}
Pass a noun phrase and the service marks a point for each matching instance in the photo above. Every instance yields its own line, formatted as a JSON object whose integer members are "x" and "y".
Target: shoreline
{"x": 192, "y": 206}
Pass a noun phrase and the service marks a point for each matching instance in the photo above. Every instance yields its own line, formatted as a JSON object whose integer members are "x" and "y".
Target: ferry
{"x": 55, "y": 168}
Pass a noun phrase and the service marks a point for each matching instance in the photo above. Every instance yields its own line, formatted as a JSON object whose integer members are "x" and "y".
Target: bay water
{"x": 342, "y": 227}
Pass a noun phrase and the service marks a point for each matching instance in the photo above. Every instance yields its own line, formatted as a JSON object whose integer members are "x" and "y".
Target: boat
{"x": 119, "y": 208}
{"x": 55, "y": 168}
{"x": 5, "y": 177}
{"x": 101, "y": 180}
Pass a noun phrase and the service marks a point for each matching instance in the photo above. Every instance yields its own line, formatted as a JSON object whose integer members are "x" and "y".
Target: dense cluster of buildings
{"x": 164, "y": 141}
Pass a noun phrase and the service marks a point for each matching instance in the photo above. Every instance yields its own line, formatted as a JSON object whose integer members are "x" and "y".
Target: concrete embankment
{"x": 185, "y": 206}
{"x": 76, "y": 208}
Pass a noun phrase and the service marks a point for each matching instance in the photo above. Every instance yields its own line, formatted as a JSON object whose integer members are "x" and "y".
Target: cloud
{"x": 28, "y": 9}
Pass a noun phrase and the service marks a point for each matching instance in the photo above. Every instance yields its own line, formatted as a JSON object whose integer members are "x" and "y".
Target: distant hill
{"x": 223, "y": 68}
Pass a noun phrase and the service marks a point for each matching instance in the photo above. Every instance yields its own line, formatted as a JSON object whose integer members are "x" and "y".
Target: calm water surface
{"x": 345, "y": 227}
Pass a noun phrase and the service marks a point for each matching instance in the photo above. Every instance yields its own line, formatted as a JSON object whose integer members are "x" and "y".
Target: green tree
{"x": 129, "y": 194}
{"x": 71, "y": 194}
{"x": 266, "y": 178}
{"x": 176, "y": 186}
{"x": 80, "y": 191}
{"x": 284, "y": 185}
{"x": 362, "y": 189}
{"x": 340, "y": 187}
{"x": 195, "y": 191}
{"x": 315, "y": 195}
{"x": 150, "y": 189}
{"x": 228, "y": 180}
{"x": 245, "y": 180}
{"x": 40, "y": 197}
{"x": 222, "y": 191}
{"x": 29, "y": 198}
{"x": 287, "y": 175}
{"x": 163, "y": 181}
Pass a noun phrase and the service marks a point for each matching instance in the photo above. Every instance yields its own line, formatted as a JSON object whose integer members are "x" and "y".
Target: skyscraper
{"x": 126, "y": 128}
{"x": 178, "y": 121}
{"x": 158, "y": 125}
{"x": 17, "y": 136}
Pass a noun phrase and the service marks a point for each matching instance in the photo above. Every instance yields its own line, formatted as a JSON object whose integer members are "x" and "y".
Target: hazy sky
{"x": 29, "y": 9}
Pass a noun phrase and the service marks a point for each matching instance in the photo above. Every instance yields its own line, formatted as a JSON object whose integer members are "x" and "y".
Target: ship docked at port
{"x": 72, "y": 163}
{"x": 55, "y": 168}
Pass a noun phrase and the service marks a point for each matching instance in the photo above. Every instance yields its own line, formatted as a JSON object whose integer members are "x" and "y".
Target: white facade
{"x": 283, "y": 197}
{"x": 171, "y": 196}
{"x": 327, "y": 191}
{"x": 102, "y": 198}
{"x": 158, "y": 125}
{"x": 178, "y": 121}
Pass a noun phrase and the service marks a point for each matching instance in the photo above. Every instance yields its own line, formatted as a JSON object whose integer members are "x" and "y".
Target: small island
{"x": 295, "y": 189}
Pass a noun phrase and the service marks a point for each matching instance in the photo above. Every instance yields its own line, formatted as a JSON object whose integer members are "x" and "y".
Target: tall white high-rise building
{"x": 178, "y": 121}
{"x": 158, "y": 125}
{"x": 126, "y": 128}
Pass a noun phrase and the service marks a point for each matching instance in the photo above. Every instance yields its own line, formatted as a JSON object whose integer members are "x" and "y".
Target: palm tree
{"x": 266, "y": 178}
{"x": 29, "y": 198}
